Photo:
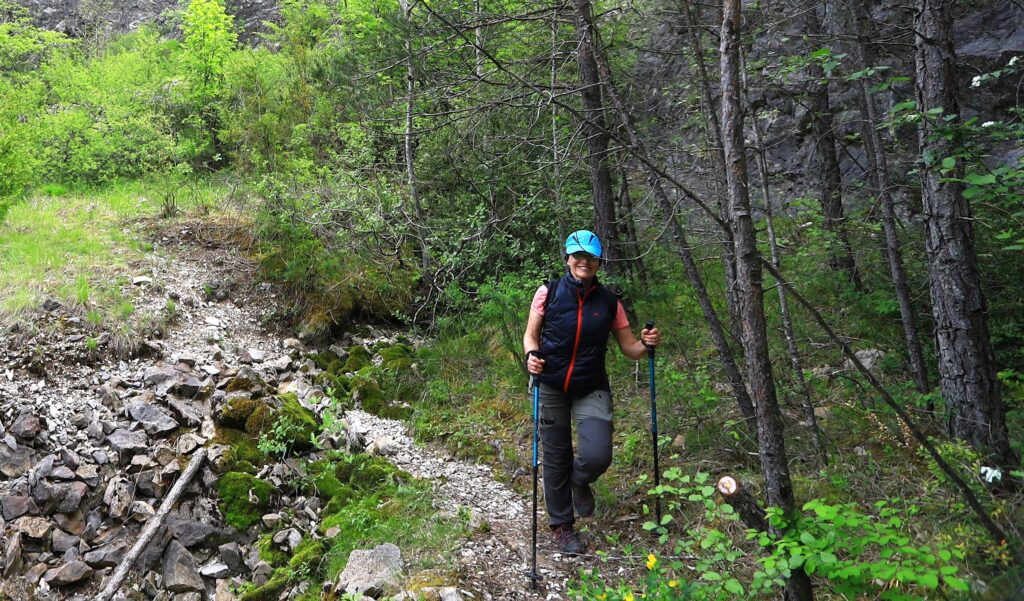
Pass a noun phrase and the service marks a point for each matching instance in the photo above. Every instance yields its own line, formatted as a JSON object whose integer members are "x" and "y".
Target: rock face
{"x": 373, "y": 572}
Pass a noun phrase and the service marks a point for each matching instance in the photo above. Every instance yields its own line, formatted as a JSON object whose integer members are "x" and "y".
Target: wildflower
{"x": 976, "y": 81}
{"x": 628, "y": 597}
{"x": 673, "y": 583}
{"x": 602, "y": 596}
{"x": 988, "y": 124}
{"x": 651, "y": 561}
{"x": 991, "y": 474}
{"x": 1013, "y": 61}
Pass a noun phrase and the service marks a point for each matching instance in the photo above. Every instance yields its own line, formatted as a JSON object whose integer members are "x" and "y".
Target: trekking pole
{"x": 654, "y": 424}
{"x": 534, "y": 576}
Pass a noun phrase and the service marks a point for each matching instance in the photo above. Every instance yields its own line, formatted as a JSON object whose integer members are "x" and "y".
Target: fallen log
{"x": 154, "y": 523}
{"x": 743, "y": 502}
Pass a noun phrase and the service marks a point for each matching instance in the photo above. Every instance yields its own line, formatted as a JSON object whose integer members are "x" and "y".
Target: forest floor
{"x": 183, "y": 266}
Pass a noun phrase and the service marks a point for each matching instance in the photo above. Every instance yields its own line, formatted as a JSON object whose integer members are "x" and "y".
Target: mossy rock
{"x": 247, "y": 380}
{"x": 323, "y": 359}
{"x": 367, "y": 392}
{"x": 261, "y": 419}
{"x": 358, "y": 358}
{"x": 306, "y": 425}
{"x": 242, "y": 455}
{"x": 233, "y": 489}
{"x": 265, "y": 545}
{"x": 397, "y": 357}
{"x": 236, "y": 410}
{"x": 271, "y": 590}
{"x": 308, "y": 557}
{"x": 364, "y": 472}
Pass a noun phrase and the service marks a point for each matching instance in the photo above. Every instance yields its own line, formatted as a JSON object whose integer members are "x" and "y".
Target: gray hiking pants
{"x": 592, "y": 414}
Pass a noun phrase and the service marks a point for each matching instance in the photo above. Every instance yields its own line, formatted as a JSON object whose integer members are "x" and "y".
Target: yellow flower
{"x": 651, "y": 561}
{"x": 602, "y": 596}
{"x": 673, "y": 583}
{"x": 629, "y": 596}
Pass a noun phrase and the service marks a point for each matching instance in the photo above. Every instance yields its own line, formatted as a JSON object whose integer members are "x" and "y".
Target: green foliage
{"x": 243, "y": 499}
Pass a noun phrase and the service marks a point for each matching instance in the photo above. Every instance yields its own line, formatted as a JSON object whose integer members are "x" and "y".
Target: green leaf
{"x": 956, "y": 584}
{"x": 980, "y": 179}
{"x": 948, "y": 162}
{"x": 733, "y": 586}
{"x": 928, "y": 579}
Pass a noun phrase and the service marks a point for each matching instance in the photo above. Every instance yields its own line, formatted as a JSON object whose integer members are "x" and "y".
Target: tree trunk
{"x": 630, "y": 244}
{"x": 966, "y": 360}
{"x": 683, "y": 247}
{"x": 419, "y": 224}
{"x": 878, "y": 170}
{"x": 771, "y": 444}
{"x": 787, "y": 320}
{"x": 597, "y": 136}
{"x": 840, "y": 252}
{"x": 714, "y": 134}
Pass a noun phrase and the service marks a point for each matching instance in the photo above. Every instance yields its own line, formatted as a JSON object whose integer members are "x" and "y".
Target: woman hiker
{"x": 565, "y": 343}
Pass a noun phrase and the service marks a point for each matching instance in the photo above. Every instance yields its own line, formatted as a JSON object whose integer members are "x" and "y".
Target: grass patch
{"x": 73, "y": 245}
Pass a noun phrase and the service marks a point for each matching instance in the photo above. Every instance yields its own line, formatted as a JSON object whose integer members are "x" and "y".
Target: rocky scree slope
{"x": 90, "y": 445}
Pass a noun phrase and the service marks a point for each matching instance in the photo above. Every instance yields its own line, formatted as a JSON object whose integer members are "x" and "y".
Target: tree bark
{"x": 840, "y": 251}
{"x": 878, "y": 170}
{"x": 966, "y": 360}
{"x": 409, "y": 138}
{"x": 795, "y": 362}
{"x": 771, "y": 443}
{"x": 606, "y": 225}
{"x": 683, "y": 247}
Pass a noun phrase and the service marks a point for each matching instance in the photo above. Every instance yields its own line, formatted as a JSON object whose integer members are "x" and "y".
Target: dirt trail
{"x": 218, "y": 317}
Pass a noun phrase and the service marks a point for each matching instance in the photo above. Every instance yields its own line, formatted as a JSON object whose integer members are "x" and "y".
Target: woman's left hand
{"x": 650, "y": 337}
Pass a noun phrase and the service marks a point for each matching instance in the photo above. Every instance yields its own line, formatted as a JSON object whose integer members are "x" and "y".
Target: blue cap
{"x": 583, "y": 241}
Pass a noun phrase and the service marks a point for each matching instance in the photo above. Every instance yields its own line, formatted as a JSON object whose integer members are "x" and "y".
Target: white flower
{"x": 991, "y": 474}
{"x": 988, "y": 124}
{"x": 1013, "y": 61}
{"x": 976, "y": 81}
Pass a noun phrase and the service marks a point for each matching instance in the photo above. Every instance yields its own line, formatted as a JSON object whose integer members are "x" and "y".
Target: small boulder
{"x": 15, "y": 460}
{"x": 26, "y": 426}
{"x": 373, "y": 572}
{"x": 127, "y": 443}
{"x": 179, "y": 570}
{"x": 67, "y": 574}
{"x": 155, "y": 421}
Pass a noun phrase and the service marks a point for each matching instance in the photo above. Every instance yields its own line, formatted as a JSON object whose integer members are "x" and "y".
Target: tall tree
{"x": 878, "y": 172}
{"x": 827, "y": 165}
{"x": 754, "y": 335}
{"x": 418, "y": 221}
{"x": 596, "y": 133}
{"x": 966, "y": 360}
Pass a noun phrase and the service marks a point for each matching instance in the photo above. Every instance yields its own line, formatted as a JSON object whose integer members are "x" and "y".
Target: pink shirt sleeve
{"x": 620, "y": 321}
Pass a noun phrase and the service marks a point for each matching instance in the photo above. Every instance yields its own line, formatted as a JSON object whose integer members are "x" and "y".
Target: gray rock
{"x": 69, "y": 573}
{"x": 155, "y": 421}
{"x": 156, "y": 375}
{"x": 187, "y": 386}
{"x": 215, "y": 570}
{"x": 27, "y": 426}
{"x": 107, "y": 556}
{"x": 127, "y": 443}
{"x": 15, "y": 506}
{"x": 154, "y": 551}
{"x": 62, "y": 472}
{"x": 118, "y": 497}
{"x": 32, "y": 526}
{"x": 189, "y": 532}
{"x": 66, "y": 497}
{"x": 373, "y": 572}
{"x": 61, "y": 541}
{"x": 231, "y": 555}
{"x": 140, "y": 511}
{"x": 179, "y": 570}
{"x": 14, "y": 459}
{"x": 12, "y": 555}
{"x": 186, "y": 411}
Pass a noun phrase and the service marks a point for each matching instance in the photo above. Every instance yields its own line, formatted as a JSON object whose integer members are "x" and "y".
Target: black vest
{"x": 574, "y": 338}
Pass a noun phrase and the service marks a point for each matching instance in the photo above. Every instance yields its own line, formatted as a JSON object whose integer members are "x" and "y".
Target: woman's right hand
{"x": 534, "y": 364}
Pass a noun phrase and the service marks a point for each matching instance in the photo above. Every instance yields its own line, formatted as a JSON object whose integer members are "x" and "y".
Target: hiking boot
{"x": 583, "y": 500}
{"x": 566, "y": 539}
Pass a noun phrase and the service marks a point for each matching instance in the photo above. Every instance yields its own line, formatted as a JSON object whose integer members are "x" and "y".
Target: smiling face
{"x": 583, "y": 266}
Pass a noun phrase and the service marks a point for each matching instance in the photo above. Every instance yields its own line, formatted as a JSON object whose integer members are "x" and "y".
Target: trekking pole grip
{"x": 648, "y": 326}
